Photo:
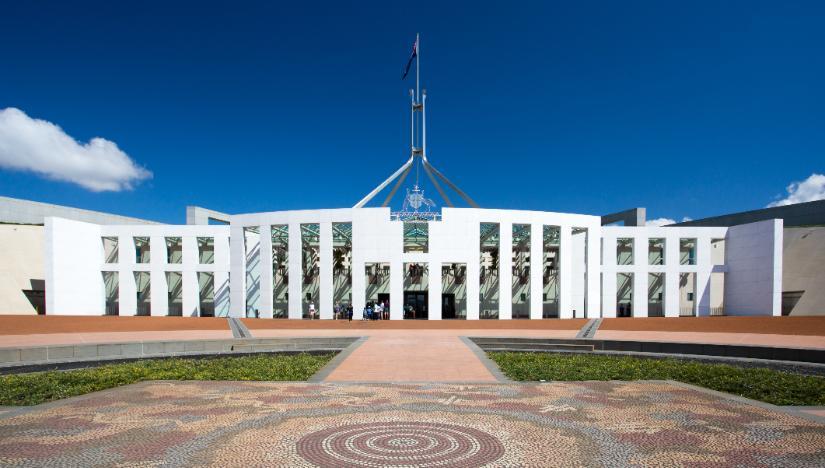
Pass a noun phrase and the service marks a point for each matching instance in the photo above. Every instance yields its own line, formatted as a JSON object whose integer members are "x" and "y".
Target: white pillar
{"x": 295, "y": 273}
{"x": 536, "y": 270}
{"x": 190, "y": 293}
{"x": 672, "y": 276}
{"x": 237, "y": 267}
{"x": 703, "y": 268}
{"x": 593, "y": 272}
{"x": 473, "y": 266}
{"x": 640, "y": 292}
{"x": 222, "y": 289}
{"x": 157, "y": 279}
{"x": 265, "y": 301}
{"x": 505, "y": 272}
{"x": 565, "y": 272}
{"x": 396, "y": 288}
{"x": 325, "y": 282}
{"x": 434, "y": 291}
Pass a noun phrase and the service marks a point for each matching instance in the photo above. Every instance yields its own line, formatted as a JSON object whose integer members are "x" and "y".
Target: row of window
{"x": 656, "y": 251}
{"x": 174, "y": 250}
{"x": 174, "y": 292}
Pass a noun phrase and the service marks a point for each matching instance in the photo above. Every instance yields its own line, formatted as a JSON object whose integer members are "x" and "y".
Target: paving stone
{"x": 423, "y": 425}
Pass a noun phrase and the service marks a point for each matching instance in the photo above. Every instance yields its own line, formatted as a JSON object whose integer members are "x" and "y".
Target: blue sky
{"x": 686, "y": 108}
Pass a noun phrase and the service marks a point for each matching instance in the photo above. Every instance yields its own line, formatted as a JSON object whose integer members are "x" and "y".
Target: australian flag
{"x": 410, "y": 61}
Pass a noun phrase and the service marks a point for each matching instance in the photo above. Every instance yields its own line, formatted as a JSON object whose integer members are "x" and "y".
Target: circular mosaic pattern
{"x": 419, "y": 444}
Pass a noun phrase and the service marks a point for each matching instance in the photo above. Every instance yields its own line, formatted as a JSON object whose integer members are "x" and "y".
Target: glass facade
{"x": 521, "y": 271}
{"x": 280, "y": 270}
{"x": 552, "y": 259}
{"x": 310, "y": 269}
{"x": 488, "y": 271}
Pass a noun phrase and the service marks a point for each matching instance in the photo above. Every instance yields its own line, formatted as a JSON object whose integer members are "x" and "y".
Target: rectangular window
{"x": 111, "y": 288}
{"x": 687, "y": 251}
{"x": 206, "y": 294}
{"x": 655, "y": 294}
{"x": 550, "y": 275}
{"x": 624, "y": 294}
{"x": 174, "y": 293}
{"x": 174, "y": 250}
{"x": 341, "y": 266}
{"x": 310, "y": 268}
{"x": 521, "y": 271}
{"x": 280, "y": 270}
{"x": 110, "y": 249}
{"x": 416, "y": 236}
{"x": 717, "y": 251}
{"x": 206, "y": 250}
{"x": 656, "y": 251}
{"x": 624, "y": 251}
{"x": 144, "y": 293}
{"x": 142, "y": 253}
{"x": 687, "y": 288}
{"x": 453, "y": 291}
{"x": 252, "y": 249}
{"x": 488, "y": 271}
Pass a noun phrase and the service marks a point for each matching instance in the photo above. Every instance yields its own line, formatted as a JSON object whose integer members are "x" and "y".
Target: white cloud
{"x": 39, "y": 146}
{"x": 659, "y": 222}
{"x": 665, "y": 221}
{"x": 810, "y": 189}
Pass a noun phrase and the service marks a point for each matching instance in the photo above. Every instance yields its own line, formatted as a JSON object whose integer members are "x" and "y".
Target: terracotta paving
{"x": 46, "y": 324}
{"x": 404, "y": 357}
{"x": 754, "y": 339}
{"x": 249, "y": 424}
{"x": 112, "y": 337}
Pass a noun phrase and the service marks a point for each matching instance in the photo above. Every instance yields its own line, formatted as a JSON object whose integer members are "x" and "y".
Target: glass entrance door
{"x": 415, "y": 305}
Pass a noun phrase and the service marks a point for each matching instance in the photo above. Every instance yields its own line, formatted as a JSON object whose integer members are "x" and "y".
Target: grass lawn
{"x": 39, "y": 387}
{"x": 778, "y": 388}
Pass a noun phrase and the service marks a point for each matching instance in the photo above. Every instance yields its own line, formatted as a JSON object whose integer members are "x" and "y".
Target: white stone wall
{"x": 753, "y": 283}
{"x": 74, "y": 266}
{"x": 74, "y": 261}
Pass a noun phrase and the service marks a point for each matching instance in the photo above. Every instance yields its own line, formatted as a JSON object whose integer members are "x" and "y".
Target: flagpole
{"x": 417, "y": 57}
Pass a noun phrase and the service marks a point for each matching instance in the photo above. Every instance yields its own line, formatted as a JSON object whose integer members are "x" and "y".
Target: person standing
{"x": 337, "y": 311}
{"x": 312, "y": 311}
{"x": 349, "y": 312}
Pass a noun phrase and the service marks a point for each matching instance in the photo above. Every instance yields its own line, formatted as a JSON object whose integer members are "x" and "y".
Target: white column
{"x": 703, "y": 268}
{"x": 565, "y": 272}
{"x": 608, "y": 244}
{"x": 505, "y": 272}
{"x": 473, "y": 288}
{"x": 190, "y": 293}
{"x": 593, "y": 272}
{"x": 536, "y": 270}
{"x": 325, "y": 282}
{"x": 396, "y": 289}
{"x": 640, "y": 292}
{"x": 434, "y": 291}
{"x": 237, "y": 267}
{"x": 157, "y": 279}
{"x": 640, "y": 279}
{"x": 222, "y": 290}
{"x": 295, "y": 273}
{"x": 265, "y": 310}
{"x": 672, "y": 276}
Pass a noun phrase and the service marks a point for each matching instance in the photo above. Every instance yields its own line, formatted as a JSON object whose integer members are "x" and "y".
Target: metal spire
{"x": 418, "y": 149}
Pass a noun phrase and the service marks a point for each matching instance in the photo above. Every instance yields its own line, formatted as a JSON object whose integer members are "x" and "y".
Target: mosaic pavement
{"x": 247, "y": 424}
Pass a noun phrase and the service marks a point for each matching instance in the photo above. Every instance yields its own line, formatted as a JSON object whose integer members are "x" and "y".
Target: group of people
{"x": 380, "y": 311}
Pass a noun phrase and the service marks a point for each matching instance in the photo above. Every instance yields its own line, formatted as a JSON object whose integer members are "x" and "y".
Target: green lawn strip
{"x": 771, "y": 386}
{"x": 39, "y": 387}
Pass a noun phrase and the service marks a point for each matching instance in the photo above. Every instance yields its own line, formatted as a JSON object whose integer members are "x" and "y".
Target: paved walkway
{"x": 402, "y": 357}
{"x": 243, "y": 424}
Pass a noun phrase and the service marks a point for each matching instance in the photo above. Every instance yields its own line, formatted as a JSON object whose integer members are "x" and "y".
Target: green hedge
{"x": 778, "y": 388}
{"x": 39, "y": 387}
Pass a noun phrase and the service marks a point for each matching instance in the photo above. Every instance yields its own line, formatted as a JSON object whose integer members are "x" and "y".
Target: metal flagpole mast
{"x": 417, "y": 68}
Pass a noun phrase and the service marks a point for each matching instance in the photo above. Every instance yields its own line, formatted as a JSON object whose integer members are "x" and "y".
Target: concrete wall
{"x": 13, "y": 210}
{"x": 74, "y": 266}
{"x": 22, "y": 258}
{"x": 803, "y": 268}
{"x": 454, "y": 239}
{"x": 754, "y": 277}
{"x": 672, "y": 267}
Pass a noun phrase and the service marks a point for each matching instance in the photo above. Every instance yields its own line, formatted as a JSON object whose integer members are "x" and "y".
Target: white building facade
{"x": 469, "y": 263}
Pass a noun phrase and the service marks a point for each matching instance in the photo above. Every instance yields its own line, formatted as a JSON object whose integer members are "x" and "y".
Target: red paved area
{"x": 44, "y": 324}
{"x": 401, "y": 356}
{"x": 770, "y": 325}
{"x": 285, "y": 324}
{"x": 244, "y": 424}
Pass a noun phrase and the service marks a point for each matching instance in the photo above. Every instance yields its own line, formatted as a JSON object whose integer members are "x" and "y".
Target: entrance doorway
{"x": 448, "y": 306}
{"x": 415, "y": 305}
